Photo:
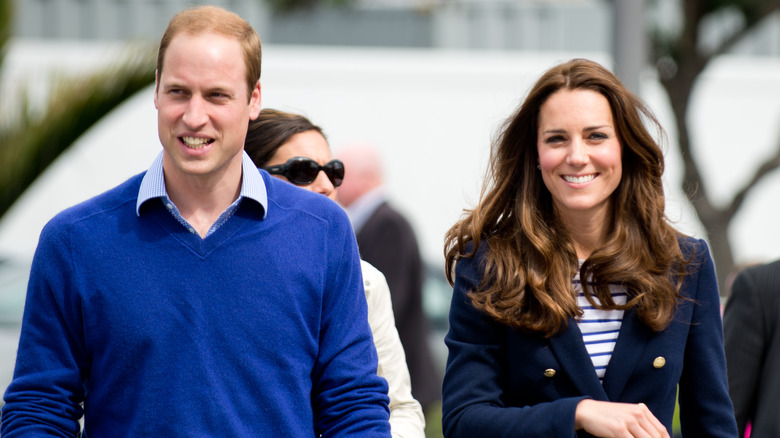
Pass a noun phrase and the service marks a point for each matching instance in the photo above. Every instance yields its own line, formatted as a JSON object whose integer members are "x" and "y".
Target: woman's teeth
{"x": 579, "y": 179}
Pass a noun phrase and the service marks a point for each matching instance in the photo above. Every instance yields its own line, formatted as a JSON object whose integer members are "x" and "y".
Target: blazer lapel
{"x": 631, "y": 342}
{"x": 570, "y": 351}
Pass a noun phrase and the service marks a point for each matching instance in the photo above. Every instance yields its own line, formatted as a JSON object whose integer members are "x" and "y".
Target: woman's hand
{"x": 618, "y": 420}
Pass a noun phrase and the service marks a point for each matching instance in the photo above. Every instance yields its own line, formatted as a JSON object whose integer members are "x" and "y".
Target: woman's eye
{"x": 599, "y": 136}
{"x": 554, "y": 139}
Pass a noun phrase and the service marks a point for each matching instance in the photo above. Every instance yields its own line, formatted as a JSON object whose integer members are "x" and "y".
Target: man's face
{"x": 202, "y": 108}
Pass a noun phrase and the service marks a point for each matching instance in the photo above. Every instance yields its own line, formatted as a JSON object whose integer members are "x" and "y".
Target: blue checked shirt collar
{"x": 252, "y": 187}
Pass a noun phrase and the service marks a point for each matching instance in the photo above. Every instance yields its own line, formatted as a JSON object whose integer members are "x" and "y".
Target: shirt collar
{"x": 252, "y": 184}
{"x": 362, "y": 208}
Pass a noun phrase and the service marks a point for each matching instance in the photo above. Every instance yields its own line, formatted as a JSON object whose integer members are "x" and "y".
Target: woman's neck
{"x": 586, "y": 231}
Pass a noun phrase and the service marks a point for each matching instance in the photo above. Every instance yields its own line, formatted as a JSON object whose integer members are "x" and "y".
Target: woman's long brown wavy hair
{"x": 530, "y": 259}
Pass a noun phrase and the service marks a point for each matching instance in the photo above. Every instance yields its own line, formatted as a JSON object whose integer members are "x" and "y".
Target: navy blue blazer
{"x": 501, "y": 382}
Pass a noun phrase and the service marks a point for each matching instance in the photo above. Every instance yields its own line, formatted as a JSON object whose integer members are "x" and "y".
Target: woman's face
{"x": 579, "y": 153}
{"x": 309, "y": 144}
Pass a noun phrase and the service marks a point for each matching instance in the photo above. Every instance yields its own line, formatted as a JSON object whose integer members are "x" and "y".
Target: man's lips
{"x": 196, "y": 142}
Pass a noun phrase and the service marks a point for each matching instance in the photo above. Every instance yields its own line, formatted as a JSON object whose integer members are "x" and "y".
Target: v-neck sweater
{"x": 260, "y": 329}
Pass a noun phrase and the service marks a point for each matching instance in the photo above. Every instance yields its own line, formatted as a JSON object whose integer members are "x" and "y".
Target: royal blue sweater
{"x": 259, "y": 329}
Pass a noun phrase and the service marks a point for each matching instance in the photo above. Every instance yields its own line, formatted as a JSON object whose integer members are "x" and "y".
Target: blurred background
{"x": 428, "y": 82}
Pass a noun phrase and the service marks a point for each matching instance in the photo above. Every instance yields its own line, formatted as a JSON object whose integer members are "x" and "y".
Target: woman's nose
{"x": 577, "y": 153}
{"x": 323, "y": 185}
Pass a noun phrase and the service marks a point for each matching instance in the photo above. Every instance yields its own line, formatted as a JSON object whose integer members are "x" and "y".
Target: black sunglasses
{"x": 303, "y": 171}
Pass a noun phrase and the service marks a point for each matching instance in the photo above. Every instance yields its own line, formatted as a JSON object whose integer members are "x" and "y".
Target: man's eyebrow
{"x": 172, "y": 84}
{"x": 221, "y": 89}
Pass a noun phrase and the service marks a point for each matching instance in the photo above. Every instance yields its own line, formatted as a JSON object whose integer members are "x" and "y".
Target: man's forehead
{"x": 207, "y": 35}
{"x": 178, "y": 44}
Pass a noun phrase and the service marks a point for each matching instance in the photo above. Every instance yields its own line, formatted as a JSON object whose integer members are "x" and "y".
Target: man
{"x": 202, "y": 297}
{"x": 387, "y": 241}
{"x": 751, "y": 326}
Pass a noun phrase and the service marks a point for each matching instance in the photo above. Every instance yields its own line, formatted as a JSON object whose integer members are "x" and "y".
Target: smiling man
{"x": 162, "y": 307}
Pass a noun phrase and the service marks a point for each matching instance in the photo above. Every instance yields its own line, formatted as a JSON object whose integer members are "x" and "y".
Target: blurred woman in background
{"x": 292, "y": 148}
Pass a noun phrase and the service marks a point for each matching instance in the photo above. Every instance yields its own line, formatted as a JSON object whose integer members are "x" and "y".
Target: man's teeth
{"x": 579, "y": 179}
{"x": 195, "y": 142}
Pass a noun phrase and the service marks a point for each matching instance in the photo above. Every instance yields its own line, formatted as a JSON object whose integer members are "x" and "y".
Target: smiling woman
{"x": 579, "y": 159}
{"x": 573, "y": 305}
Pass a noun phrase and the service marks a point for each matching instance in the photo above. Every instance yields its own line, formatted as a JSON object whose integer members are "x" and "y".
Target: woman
{"x": 292, "y": 148}
{"x": 577, "y": 308}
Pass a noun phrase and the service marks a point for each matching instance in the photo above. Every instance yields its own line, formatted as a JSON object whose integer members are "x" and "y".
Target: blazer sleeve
{"x": 745, "y": 341}
{"x": 476, "y": 375}
{"x": 705, "y": 405}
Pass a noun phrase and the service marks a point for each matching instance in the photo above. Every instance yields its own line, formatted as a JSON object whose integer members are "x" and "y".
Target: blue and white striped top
{"x": 600, "y": 328}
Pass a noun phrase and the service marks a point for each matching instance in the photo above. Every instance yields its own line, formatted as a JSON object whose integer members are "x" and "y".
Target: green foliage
{"x": 6, "y": 11}
{"x": 32, "y": 141}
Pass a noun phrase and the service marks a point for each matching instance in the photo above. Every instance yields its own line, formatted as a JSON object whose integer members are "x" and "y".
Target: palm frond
{"x": 6, "y": 12}
{"x": 36, "y": 138}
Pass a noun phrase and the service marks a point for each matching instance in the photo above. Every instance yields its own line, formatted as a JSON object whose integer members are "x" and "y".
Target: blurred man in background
{"x": 751, "y": 327}
{"x": 387, "y": 241}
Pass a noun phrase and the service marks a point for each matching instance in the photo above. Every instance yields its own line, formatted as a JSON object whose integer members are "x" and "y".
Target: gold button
{"x": 659, "y": 362}
{"x": 549, "y": 372}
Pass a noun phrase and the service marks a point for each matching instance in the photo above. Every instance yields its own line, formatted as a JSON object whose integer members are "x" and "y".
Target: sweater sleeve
{"x": 477, "y": 372}
{"x": 406, "y": 416}
{"x": 348, "y": 397}
{"x": 44, "y": 396}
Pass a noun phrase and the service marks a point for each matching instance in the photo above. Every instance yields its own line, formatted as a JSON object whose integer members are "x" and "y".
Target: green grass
{"x": 433, "y": 422}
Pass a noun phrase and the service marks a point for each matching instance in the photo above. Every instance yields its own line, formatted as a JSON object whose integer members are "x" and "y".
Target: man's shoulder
{"x": 285, "y": 199}
{"x": 124, "y": 194}
{"x": 770, "y": 268}
{"x": 388, "y": 218}
{"x": 384, "y": 212}
{"x": 767, "y": 275}
{"x": 387, "y": 209}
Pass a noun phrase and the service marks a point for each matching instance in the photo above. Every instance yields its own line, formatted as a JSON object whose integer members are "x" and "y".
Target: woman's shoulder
{"x": 371, "y": 273}
{"x": 693, "y": 247}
